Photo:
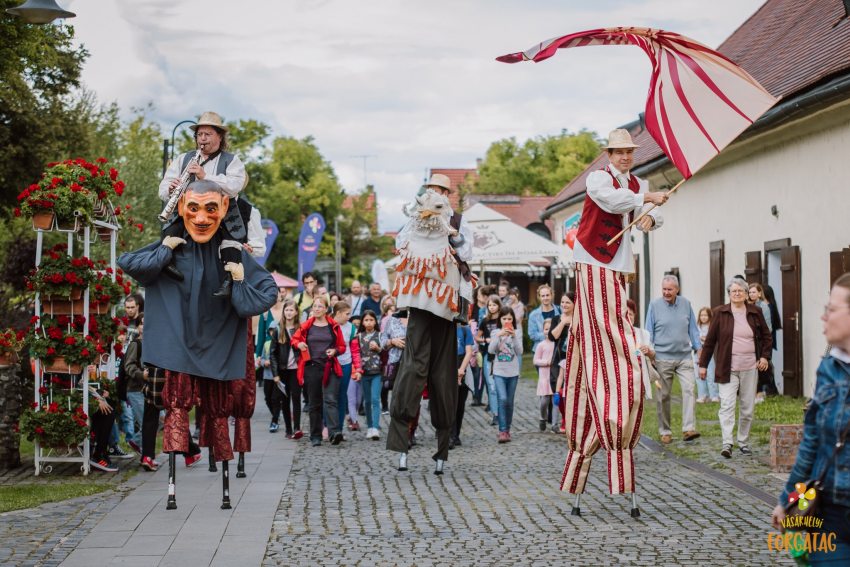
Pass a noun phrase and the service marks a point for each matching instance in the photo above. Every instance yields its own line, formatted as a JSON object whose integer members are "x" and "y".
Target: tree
{"x": 293, "y": 182}
{"x": 42, "y": 113}
{"x": 359, "y": 234}
{"x": 540, "y": 166}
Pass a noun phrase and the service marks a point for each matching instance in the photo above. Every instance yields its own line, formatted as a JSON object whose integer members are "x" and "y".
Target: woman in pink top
{"x": 543, "y": 362}
{"x": 739, "y": 340}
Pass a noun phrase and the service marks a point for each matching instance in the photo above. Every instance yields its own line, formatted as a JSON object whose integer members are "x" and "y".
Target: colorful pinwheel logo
{"x": 802, "y": 496}
{"x": 315, "y": 225}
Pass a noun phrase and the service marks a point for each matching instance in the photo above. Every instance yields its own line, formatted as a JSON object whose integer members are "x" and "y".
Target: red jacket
{"x": 300, "y": 336}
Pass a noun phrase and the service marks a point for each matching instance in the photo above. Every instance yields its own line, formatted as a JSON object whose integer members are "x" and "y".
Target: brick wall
{"x": 11, "y": 406}
{"x": 784, "y": 440}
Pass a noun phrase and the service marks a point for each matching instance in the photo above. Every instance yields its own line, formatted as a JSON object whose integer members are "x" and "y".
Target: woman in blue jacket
{"x": 827, "y": 419}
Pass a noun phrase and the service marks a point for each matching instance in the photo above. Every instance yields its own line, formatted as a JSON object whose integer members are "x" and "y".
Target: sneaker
{"x": 385, "y": 412}
{"x": 745, "y": 449}
{"x": 701, "y": 400}
{"x": 726, "y": 453}
{"x": 666, "y": 439}
{"x": 119, "y": 453}
{"x": 298, "y": 434}
{"x": 507, "y": 436}
{"x": 337, "y": 438}
{"x": 354, "y": 426}
{"x": 316, "y": 442}
{"x": 273, "y": 427}
{"x": 149, "y": 464}
{"x": 104, "y": 465}
{"x": 495, "y": 420}
{"x": 715, "y": 400}
{"x": 502, "y": 437}
{"x": 542, "y": 425}
{"x": 190, "y": 460}
{"x": 759, "y": 398}
{"x": 690, "y": 435}
{"x": 373, "y": 434}
{"x": 135, "y": 446}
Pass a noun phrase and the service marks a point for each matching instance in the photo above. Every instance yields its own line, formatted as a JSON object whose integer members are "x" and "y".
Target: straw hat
{"x": 440, "y": 180}
{"x": 209, "y": 118}
{"x": 620, "y": 138}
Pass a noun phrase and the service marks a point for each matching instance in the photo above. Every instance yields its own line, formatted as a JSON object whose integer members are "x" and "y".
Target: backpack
{"x": 371, "y": 362}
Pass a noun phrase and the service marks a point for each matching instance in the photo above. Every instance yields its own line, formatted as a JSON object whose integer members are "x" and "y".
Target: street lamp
{"x": 168, "y": 155}
{"x": 40, "y": 11}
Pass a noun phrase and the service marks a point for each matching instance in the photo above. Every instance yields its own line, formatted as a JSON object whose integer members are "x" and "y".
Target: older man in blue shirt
{"x": 673, "y": 330}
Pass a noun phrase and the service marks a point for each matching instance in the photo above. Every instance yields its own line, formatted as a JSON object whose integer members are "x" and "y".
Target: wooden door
{"x": 752, "y": 267}
{"x": 792, "y": 323}
{"x": 839, "y": 263}
{"x": 717, "y": 273}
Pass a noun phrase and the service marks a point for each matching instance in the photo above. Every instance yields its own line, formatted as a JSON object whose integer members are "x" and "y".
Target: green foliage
{"x": 540, "y": 166}
{"x": 22, "y": 496}
{"x": 293, "y": 182}
{"x": 359, "y": 232}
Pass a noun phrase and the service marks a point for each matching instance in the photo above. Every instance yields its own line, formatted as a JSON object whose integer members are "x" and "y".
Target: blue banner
{"x": 308, "y": 244}
{"x": 270, "y": 228}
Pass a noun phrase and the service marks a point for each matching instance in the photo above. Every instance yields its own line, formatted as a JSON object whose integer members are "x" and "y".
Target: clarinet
{"x": 179, "y": 189}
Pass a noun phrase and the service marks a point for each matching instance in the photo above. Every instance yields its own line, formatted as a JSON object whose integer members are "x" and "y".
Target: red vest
{"x": 597, "y": 226}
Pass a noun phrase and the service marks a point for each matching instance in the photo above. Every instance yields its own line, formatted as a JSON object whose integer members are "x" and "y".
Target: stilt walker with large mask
{"x": 430, "y": 284}
{"x": 200, "y": 340}
{"x": 604, "y": 383}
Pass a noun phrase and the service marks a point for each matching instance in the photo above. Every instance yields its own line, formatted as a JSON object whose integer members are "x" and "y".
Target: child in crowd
{"x": 369, "y": 340}
{"x": 558, "y": 396}
{"x": 706, "y": 389}
{"x": 350, "y": 362}
{"x": 543, "y": 361}
{"x": 487, "y": 326}
{"x": 506, "y": 348}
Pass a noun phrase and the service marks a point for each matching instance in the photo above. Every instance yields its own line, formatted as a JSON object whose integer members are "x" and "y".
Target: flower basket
{"x": 7, "y": 359}
{"x": 60, "y": 366}
{"x": 43, "y": 220}
{"x": 11, "y": 341}
{"x": 54, "y": 426}
{"x": 75, "y": 190}
{"x": 60, "y": 276}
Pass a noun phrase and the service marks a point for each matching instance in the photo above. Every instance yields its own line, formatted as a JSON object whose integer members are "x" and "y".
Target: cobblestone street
{"x": 499, "y": 505}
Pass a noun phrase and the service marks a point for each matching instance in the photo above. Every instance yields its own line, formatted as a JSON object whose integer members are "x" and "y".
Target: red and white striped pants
{"x": 603, "y": 382}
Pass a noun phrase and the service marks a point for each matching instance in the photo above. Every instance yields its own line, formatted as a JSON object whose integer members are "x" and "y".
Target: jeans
{"x": 136, "y": 400}
{"x": 492, "y": 392}
{"x": 478, "y": 384}
{"x": 342, "y": 394}
{"x": 742, "y": 383}
{"x": 506, "y": 388}
{"x": 836, "y": 519}
{"x": 355, "y": 396}
{"x": 684, "y": 369}
{"x": 708, "y": 388}
{"x": 372, "y": 393}
{"x": 125, "y": 422}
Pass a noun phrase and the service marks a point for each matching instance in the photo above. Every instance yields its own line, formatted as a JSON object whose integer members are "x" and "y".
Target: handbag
{"x": 803, "y": 502}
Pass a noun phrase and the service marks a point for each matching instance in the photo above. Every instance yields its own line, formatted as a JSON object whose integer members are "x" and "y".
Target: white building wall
{"x": 807, "y": 177}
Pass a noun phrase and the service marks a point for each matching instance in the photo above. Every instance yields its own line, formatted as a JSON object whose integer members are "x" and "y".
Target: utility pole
{"x": 337, "y": 255}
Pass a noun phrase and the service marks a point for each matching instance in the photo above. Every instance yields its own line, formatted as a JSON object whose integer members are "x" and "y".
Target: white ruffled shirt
{"x": 600, "y": 188}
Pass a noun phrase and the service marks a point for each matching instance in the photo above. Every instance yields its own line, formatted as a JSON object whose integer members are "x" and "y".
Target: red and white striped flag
{"x": 699, "y": 100}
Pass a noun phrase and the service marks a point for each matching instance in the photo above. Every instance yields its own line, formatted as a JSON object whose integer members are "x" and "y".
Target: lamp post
{"x": 168, "y": 154}
{"x": 40, "y": 11}
{"x": 337, "y": 254}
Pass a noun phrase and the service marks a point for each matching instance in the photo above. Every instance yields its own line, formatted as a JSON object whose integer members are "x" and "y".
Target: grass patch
{"x": 774, "y": 410}
{"x": 21, "y": 496}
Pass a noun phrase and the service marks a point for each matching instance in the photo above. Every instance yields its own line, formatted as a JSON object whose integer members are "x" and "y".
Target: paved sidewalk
{"x": 140, "y": 531}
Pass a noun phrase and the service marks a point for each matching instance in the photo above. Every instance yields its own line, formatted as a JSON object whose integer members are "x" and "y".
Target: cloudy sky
{"x": 412, "y": 84}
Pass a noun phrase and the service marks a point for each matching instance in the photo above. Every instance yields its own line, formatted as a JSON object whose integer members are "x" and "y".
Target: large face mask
{"x": 202, "y": 214}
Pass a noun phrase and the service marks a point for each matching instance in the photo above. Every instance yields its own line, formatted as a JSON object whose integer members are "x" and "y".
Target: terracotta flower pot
{"x": 43, "y": 220}
{"x": 7, "y": 359}
{"x": 68, "y": 225}
{"x": 104, "y": 234}
{"x": 65, "y": 307}
{"x": 76, "y": 295}
{"x": 59, "y": 366}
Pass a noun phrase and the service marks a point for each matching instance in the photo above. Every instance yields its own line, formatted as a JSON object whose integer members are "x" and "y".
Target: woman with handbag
{"x": 284, "y": 366}
{"x": 822, "y": 454}
{"x": 739, "y": 340}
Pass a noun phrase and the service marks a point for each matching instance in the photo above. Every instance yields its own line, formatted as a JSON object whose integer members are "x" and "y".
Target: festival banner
{"x": 308, "y": 244}
{"x": 270, "y": 228}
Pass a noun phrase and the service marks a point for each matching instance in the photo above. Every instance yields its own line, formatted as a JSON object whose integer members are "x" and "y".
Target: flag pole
{"x": 646, "y": 212}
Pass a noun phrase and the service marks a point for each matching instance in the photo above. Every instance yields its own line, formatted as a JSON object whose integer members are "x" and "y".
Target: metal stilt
{"x": 225, "y": 486}
{"x": 577, "y": 506}
{"x": 240, "y": 466}
{"x": 172, "y": 468}
{"x": 635, "y": 511}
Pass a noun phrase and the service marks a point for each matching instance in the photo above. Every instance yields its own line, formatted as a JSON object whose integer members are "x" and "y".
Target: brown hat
{"x": 620, "y": 138}
{"x": 440, "y": 180}
{"x": 209, "y": 118}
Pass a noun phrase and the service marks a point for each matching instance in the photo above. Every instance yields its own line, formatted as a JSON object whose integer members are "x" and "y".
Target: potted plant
{"x": 61, "y": 277}
{"x": 104, "y": 292}
{"x": 54, "y": 426}
{"x": 61, "y": 348}
{"x": 71, "y": 190}
{"x": 11, "y": 342}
